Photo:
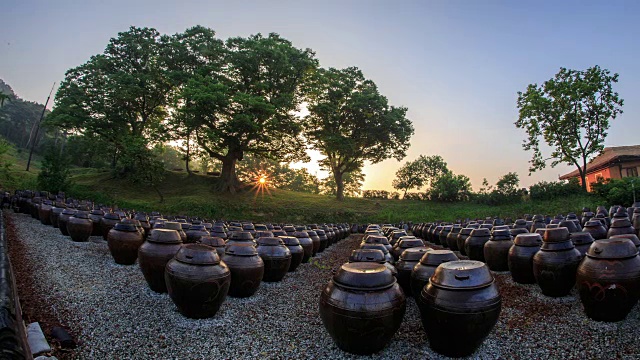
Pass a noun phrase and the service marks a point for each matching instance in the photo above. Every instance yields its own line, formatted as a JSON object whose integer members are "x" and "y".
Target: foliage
{"x": 618, "y": 191}
{"x": 5, "y": 162}
{"x": 242, "y": 97}
{"x": 54, "y": 175}
{"x": 89, "y": 151}
{"x": 352, "y": 184}
{"x": 571, "y": 113}
{"x": 544, "y": 190}
{"x": 450, "y": 187}
{"x": 415, "y": 174}
{"x": 375, "y": 194}
{"x": 350, "y": 122}
{"x": 505, "y": 191}
{"x": 416, "y": 196}
{"x": 140, "y": 165}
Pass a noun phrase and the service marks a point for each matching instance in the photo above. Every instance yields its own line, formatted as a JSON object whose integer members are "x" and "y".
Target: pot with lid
{"x": 520, "y": 257}
{"x": 426, "y": 267}
{"x": 154, "y": 254}
{"x": 247, "y": 269}
{"x": 123, "y": 241}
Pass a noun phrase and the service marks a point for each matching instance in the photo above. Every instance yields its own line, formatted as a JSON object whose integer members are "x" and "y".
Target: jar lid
{"x": 97, "y": 212}
{"x": 612, "y": 248}
{"x": 125, "y": 226}
{"x": 480, "y": 232}
{"x": 581, "y": 238}
{"x": 414, "y": 254}
{"x": 173, "y": 225}
{"x": 212, "y": 241}
{"x": 620, "y": 222}
{"x": 241, "y": 249}
{"x": 518, "y": 231}
{"x": 364, "y": 276}
{"x": 301, "y": 234}
{"x": 312, "y": 233}
{"x": 410, "y": 243}
{"x": 528, "y": 239}
{"x": 466, "y": 231}
{"x": 81, "y": 215}
{"x": 437, "y": 257}
{"x": 320, "y": 232}
{"x": 380, "y": 247}
{"x": 290, "y": 240}
{"x": 592, "y": 223}
{"x": 279, "y": 233}
{"x": 69, "y": 211}
{"x": 632, "y": 237}
{"x": 500, "y": 234}
{"x": 141, "y": 217}
{"x": 198, "y": 227}
{"x": 377, "y": 239}
{"x": 198, "y": 254}
{"x": 270, "y": 241}
{"x": 367, "y": 255}
{"x": 558, "y": 234}
{"x": 462, "y": 274}
{"x": 263, "y": 234}
{"x": 164, "y": 236}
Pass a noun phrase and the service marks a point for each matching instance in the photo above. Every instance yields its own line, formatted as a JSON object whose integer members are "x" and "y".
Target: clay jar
{"x": 63, "y": 219}
{"x": 323, "y": 237}
{"x": 247, "y": 269}
{"x": 452, "y": 237}
{"x": 442, "y": 237}
{"x": 374, "y": 256}
{"x": 79, "y": 226}
{"x": 54, "y": 215}
{"x": 241, "y": 237}
{"x": 44, "y": 213}
{"x": 496, "y": 250}
{"x": 306, "y": 243}
{"x": 276, "y": 258}
{"x": 362, "y": 307}
{"x": 215, "y": 242}
{"x": 195, "y": 232}
{"x": 197, "y": 281}
{"x": 387, "y": 255}
{"x": 520, "y": 258}
{"x": 171, "y": 225}
{"x": 96, "y": 216}
{"x": 408, "y": 260}
{"x": 108, "y": 221}
{"x": 426, "y": 267}
{"x": 582, "y": 241}
{"x": 459, "y": 307}
{"x": 404, "y": 244}
{"x": 154, "y": 254}
{"x": 124, "y": 240}
{"x": 555, "y": 265}
{"x": 474, "y": 245}
{"x": 377, "y": 239}
{"x": 608, "y": 279}
{"x": 596, "y": 229}
{"x": 620, "y": 226}
{"x": 462, "y": 237}
{"x": 297, "y": 252}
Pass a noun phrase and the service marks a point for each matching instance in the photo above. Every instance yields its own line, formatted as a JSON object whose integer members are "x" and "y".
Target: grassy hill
{"x": 195, "y": 195}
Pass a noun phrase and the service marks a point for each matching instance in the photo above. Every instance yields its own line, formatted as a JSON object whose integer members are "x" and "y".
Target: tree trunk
{"x": 228, "y": 176}
{"x": 337, "y": 176}
{"x": 159, "y": 193}
{"x": 188, "y": 154}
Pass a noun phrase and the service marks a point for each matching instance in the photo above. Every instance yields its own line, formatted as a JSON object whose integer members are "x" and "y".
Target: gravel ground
{"x": 113, "y": 314}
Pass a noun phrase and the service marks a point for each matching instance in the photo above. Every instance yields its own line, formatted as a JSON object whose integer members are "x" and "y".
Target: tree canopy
{"x": 350, "y": 122}
{"x": 571, "y": 113}
{"x": 419, "y": 172}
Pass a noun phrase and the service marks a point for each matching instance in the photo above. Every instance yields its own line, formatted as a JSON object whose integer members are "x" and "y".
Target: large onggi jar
{"x": 155, "y": 253}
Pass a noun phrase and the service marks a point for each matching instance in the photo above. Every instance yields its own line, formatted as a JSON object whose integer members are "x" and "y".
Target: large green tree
{"x": 118, "y": 95}
{"x": 350, "y": 122}
{"x": 571, "y": 113}
{"x": 419, "y": 172}
{"x": 244, "y": 100}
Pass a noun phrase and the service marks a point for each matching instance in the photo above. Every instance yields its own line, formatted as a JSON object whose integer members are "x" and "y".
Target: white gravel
{"x": 113, "y": 314}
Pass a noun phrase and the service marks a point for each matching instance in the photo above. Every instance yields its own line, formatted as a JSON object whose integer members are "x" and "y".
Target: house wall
{"x": 612, "y": 172}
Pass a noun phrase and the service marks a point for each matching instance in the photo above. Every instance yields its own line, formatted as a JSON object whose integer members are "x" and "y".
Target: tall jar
{"x": 108, "y": 221}
{"x": 79, "y": 226}
{"x": 408, "y": 260}
{"x": 520, "y": 257}
{"x": 155, "y": 253}
{"x": 474, "y": 245}
{"x": 247, "y": 269}
{"x": 496, "y": 250}
{"x": 361, "y": 303}
{"x": 64, "y": 218}
{"x": 123, "y": 241}
{"x": 276, "y": 257}
{"x": 555, "y": 265}
{"x": 297, "y": 252}
{"x": 424, "y": 270}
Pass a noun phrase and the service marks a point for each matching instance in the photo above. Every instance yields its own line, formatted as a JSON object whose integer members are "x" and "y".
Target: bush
{"x": 415, "y": 196}
{"x": 617, "y": 191}
{"x": 550, "y": 190}
{"x": 450, "y": 187}
{"x": 54, "y": 176}
{"x": 375, "y": 194}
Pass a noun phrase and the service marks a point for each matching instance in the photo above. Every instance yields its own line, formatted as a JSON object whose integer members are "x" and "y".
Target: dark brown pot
{"x": 247, "y": 269}
{"x": 79, "y": 226}
{"x": 374, "y": 256}
{"x": 408, "y": 260}
{"x": 520, "y": 257}
{"x": 96, "y": 217}
{"x": 197, "y": 281}
{"x": 377, "y": 239}
{"x": 215, "y": 242}
{"x": 459, "y": 307}
{"x": 387, "y": 255}
{"x": 620, "y": 226}
{"x": 462, "y": 237}
{"x": 596, "y": 229}
{"x": 276, "y": 258}
{"x": 496, "y": 250}
{"x": 474, "y": 245}
{"x": 44, "y": 213}
{"x": 323, "y": 237}
{"x": 555, "y": 265}
{"x": 241, "y": 237}
{"x": 63, "y": 219}
{"x": 452, "y": 237}
{"x": 108, "y": 221}
{"x": 442, "y": 237}
{"x": 195, "y": 232}
{"x": 362, "y": 307}
{"x": 155, "y": 253}
{"x": 297, "y": 252}
{"x": 172, "y": 225}
{"x": 582, "y": 241}
{"x": 124, "y": 240}
{"x": 426, "y": 267}
{"x": 54, "y": 215}
{"x": 608, "y": 279}
{"x": 404, "y": 244}
{"x": 306, "y": 243}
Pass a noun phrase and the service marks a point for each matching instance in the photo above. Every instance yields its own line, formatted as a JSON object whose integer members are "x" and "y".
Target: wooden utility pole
{"x": 35, "y": 138}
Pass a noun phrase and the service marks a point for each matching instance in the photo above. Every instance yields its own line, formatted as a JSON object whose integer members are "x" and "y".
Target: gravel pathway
{"x": 113, "y": 314}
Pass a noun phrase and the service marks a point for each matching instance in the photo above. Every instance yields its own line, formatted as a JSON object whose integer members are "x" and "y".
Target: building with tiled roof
{"x": 614, "y": 162}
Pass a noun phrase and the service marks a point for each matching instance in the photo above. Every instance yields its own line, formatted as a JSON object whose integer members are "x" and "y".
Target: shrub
{"x": 375, "y": 194}
{"x": 617, "y": 191}
{"x": 415, "y": 196}
{"x": 550, "y": 190}
{"x": 450, "y": 187}
{"x": 54, "y": 176}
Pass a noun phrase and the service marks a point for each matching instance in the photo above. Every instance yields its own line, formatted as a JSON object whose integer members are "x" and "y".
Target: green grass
{"x": 195, "y": 195}
{"x": 17, "y": 177}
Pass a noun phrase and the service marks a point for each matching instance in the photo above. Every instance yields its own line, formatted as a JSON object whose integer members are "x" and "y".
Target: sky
{"x": 456, "y": 65}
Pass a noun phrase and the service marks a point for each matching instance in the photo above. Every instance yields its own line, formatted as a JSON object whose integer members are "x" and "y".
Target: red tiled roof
{"x": 609, "y": 155}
